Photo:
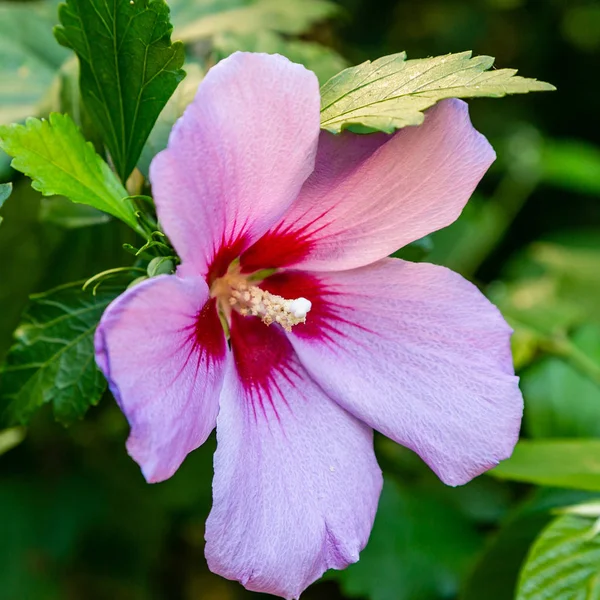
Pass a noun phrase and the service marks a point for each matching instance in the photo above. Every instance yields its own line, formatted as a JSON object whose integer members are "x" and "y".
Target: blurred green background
{"x": 77, "y": 520}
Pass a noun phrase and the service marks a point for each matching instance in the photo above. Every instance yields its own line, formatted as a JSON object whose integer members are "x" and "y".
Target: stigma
{"x": 250, "y": 300}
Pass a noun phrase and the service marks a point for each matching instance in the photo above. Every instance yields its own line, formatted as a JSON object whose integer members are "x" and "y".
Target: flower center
{"x": 235, "y": 291}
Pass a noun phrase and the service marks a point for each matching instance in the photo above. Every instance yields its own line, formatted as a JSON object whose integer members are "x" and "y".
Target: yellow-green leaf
{"x": 392, "y": 92}
{"x": 563, "y": 562}
{"x": 55, "y": 155}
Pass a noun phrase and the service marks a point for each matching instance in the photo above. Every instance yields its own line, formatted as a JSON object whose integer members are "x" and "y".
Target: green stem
{"x": 129, "y": 213}
{"x": 110, "y": 272}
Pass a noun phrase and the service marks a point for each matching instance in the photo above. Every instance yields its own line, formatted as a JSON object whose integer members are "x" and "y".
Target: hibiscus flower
{"x": 288, "y": 328}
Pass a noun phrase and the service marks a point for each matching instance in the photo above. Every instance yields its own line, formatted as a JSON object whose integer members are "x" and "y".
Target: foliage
{"x": 564, "y": 558}
{"x": 5, "y": 192}
{"x": 419, "y": 548}
{"x": 59, "y": 161}
{"x": 392, "y": 92}
{"x": 204, "y": 19}
{"x": 52, "y": 359}
{"x": 79, "y": 520}
{"x": 29, "y": 59}
{"x": 174, "y": 108}
{"x": 59, "y": 211}
{"x": 128, "y": 68}
{"x": 496, "y": 572}
{"x": 556, "y": 463}
{"x": 552, "y": 385}
{"x": 324, "y": 61}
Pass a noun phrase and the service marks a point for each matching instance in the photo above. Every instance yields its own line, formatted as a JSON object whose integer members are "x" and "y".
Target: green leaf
{"x": 42, "y": 257}
{"x": 29, "y": 57}
{"x": 419, "y": 548}
{"x": 160, "y": 265}
{"x": 392, "y": 92}
{"x": 576, "y": 273}
{"x": 197, "y": 20}
{"x": 572, "y": 165}
{"x": 558, "y": 463}
{"x": 10, "y": 438}
{"x": 535, "y": 303}
{"x": 495, "y": 574}
{"x": 128, "y": 68}
{"x": 60, "y": 162}
{"x": 5, "y": 170}
{"x": 587, "y": 509}
{"x": 551, "y": 386}
{"x": 52, "y": 359}
{"x": 185, "y": 11}
{"x": 59, "y": 211}
{"x": 65, "y": 98}
{"x": 563, "y": 562}
{"x": 556, "y": 291}
{"x": 323, "y": 61}
{"x": 29, "y": 248}
{"x": 415, "y": 251}
{"x": 183, "y": 95}
{"x": 5, "y": 192}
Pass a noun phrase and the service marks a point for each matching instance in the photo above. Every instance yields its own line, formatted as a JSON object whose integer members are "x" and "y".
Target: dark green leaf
{"x": 5, "y": 170}
{"x": 415, "y": 251}
{"x": 128, "y": 68}
{"x": 60, "y": 162}
{"x": 558, "y": 463}
{"x": 59, "y": 211}
{"x": 52, "y": 359}
{"x": 418, "y": 549}
{"x": 392, "y": 92}
{"x": 44, "y": 256}
{"x": 563, "y": 562}
{"x": 553, "y": 388}
{"x": 174, "y": 108}
{"x": 30, "y": 247}
{"x": 66, "y": 99}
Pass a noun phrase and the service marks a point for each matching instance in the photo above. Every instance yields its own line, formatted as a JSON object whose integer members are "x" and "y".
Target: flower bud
{"x": 160, "y": 265}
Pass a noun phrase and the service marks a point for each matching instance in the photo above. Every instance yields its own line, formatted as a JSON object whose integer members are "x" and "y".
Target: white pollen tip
{"x": 300, "y": 307}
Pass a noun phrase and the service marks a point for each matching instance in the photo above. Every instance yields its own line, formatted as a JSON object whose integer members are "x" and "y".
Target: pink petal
{"x": 296, "y": 481}
{"x": 370, "y": 195}
{"x": 236, "y": 159}
{"x": 416, "y": 352}
{"x": 162, "y": 348}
